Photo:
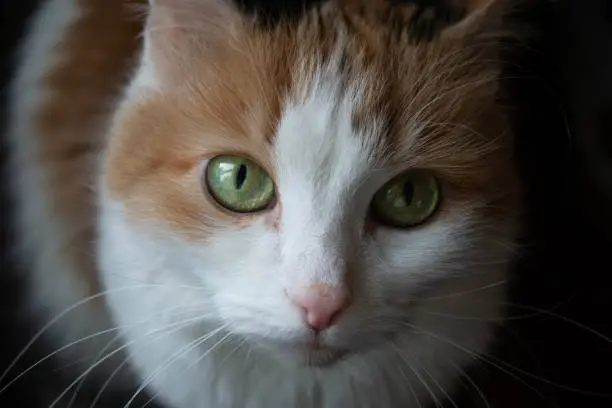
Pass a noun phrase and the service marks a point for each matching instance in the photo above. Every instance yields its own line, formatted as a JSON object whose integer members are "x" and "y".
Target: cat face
{"x": 318, "y": 189}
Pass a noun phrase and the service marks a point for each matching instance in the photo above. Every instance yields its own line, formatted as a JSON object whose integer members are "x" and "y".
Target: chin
{"x": 304, "y": 355}
{"x": 320, "y": 357}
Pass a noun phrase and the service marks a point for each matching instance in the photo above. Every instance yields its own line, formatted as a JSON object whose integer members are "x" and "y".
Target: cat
{"x": 226, "y": 211}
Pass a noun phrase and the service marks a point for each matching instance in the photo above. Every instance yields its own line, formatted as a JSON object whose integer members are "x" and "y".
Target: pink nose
{"x": 321, "y": 304}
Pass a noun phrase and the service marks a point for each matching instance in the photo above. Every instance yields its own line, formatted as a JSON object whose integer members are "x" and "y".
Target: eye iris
{"x": 407, "y": 200}
{"x": 239, "y": 184}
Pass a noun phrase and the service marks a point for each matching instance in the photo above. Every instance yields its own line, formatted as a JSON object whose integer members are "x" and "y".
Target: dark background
{"x": 560, "y": 87}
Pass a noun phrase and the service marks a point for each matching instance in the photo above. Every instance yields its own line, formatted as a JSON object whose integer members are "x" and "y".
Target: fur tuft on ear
{"x": 179, "y": 32}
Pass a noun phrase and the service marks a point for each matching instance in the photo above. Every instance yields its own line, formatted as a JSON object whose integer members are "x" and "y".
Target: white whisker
{"x": 469, "y": 379}
{"x": 411, "y": 388}
{"x": 418, "y": 376}
{"x": 63, "y": 314}
{"x": 463, "y": 293}
{"x": 200, "y": 359}
{"x": 172, "y": 359}
{"x": 481, "y": 357}
{"x": 437, "y": 383}
{"x": 180, "y": 325}
{"x": 108, "y": 381}
{"x": 78, "y": 341}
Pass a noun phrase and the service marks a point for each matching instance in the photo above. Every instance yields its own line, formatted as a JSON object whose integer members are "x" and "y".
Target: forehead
{"x": 369, "y": 57}
{"x": 335, "y": 92}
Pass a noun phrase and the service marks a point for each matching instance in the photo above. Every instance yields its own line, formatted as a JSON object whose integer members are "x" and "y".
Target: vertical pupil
{"x": 408, "y": 191}
{"x": 241, "y": 176}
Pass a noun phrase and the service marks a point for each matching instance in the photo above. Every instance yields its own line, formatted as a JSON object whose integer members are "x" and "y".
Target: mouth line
{"x": 314, "y": 353}
{"x": 324, "y": 357}
{"x": 324, "y": 362}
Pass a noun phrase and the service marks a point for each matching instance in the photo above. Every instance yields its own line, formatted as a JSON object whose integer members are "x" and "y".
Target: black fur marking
{"x": 272, "y": 12}
{"x": 429, "y": 18}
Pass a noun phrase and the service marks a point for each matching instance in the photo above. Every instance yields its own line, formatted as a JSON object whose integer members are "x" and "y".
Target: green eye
{"x": 239, "y": 184}
{"x": 407, "y": 200}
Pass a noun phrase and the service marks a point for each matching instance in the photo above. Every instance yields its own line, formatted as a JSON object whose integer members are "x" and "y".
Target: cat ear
{"x": 180, "y": 32}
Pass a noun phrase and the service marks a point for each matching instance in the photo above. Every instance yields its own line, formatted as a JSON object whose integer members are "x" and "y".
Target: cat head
{"x": 321, "y": 185}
